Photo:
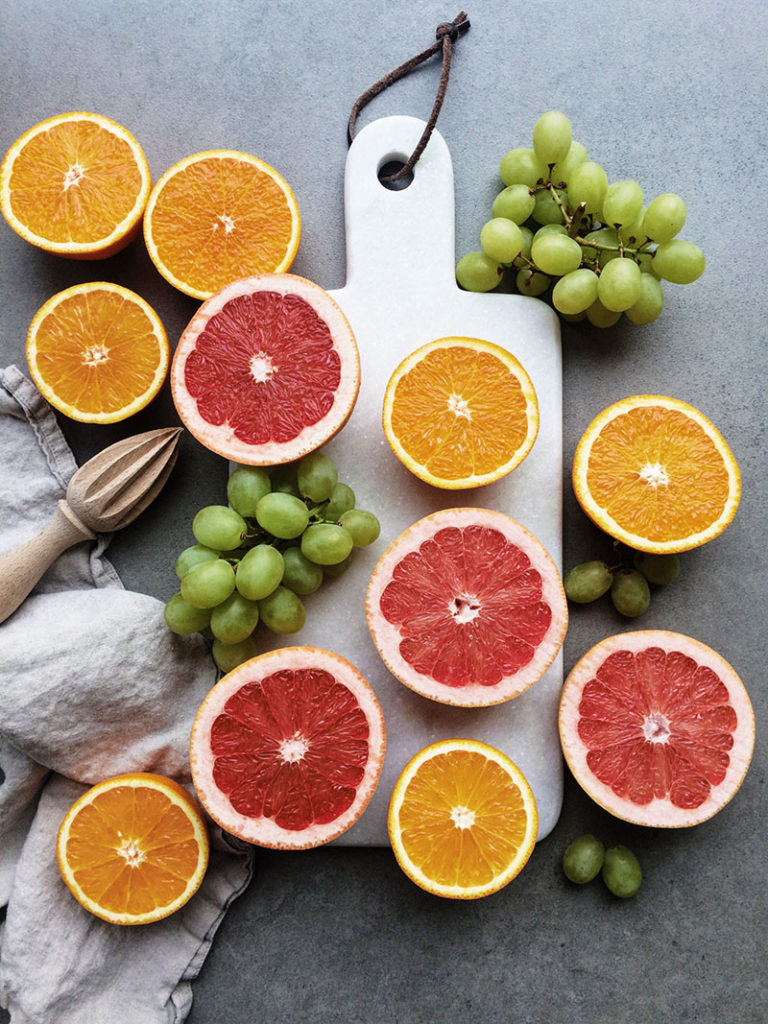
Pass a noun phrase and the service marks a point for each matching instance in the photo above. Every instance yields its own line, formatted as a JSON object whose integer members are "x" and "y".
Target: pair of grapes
{"x": 280, "y": 535}
{"x": 560, "y": 224}
{"x": 628, "y": 586}
{"x": 586, "y": 857}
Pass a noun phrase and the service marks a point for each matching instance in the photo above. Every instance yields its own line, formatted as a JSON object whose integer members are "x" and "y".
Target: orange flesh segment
{"x": 460, "y": 413}
{"x": 105, "y": 182}
{"x": 466, "y": 785}
{"x": 628, "y": 454}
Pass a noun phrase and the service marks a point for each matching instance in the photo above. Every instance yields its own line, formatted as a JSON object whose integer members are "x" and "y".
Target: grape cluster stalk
{"x": 568, "y": 234}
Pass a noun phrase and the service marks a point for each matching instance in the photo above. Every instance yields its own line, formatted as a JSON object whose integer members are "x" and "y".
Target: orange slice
{"x": 460, "y": 412}
{"x": 462, "y": 819}
{"x": 654, "y": 473}
{"x": 98, "y": 352}
{"x": 75, "y": 185}
{"x": 218, "y": 216}
{"x": 133, "y": 848}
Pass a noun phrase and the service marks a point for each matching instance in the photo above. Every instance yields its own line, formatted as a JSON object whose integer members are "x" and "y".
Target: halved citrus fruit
{"x": 466, "y": 607}
{"x": 267, "y": 370}
{"x": 286, "y": 750}
{"x": 134, "y": 848}
{"x": 219, "y": 216}
{"x": 460, "y": 412}
{"x": 654, "y": 473}
{"x": 75, "y": 185}
{"x": 98, "y": 352}
{"x": 657, "y": 728}
{"x": 462, "y": 819}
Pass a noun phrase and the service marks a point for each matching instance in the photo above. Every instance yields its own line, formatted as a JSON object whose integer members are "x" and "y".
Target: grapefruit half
{"x": 657, "y": 728}
{"x": 286, "y": 750}
{"x": 466, "y": 607}
{"x": 267, "y": 370}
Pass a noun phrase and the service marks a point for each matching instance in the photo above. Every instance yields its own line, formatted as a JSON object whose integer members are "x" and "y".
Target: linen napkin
{"x": 92, "y": 684}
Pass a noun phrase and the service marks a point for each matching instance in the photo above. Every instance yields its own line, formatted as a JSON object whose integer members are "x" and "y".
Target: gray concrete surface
{"x": 668, "y": 92}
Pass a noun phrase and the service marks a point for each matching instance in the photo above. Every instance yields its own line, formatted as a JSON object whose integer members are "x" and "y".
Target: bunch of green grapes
{"x": 280, "y": 535}
{"x": 629, "y": 585}
{"x": 560, "y": 224}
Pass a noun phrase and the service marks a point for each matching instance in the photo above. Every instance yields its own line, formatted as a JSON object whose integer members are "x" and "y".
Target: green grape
{"x": 193, "y": 556}
{"x": 245, "y": 487}
{"x": 208, "y": 584}
{"x": 575, "y": 292}
{"x": 340, "y": 567}
{"x": 476, "y": 272}
{"x": 599, "y": 316}
{"x": 552, "y": 137}
{"x": 501, "y": 239}
{"x": 282, "y": 515}
{"x": 618, "y": 286}
{"x": 555, "y": 254}
{"x": 301, "y": 576}
{"x": 622, "y": 202}
{"x": 342, "y": 498}
{"x": 234, "y": 619}
{"x": 559, "y": 229}
{"x": 364, "y": 526}
{"x": 531, "y": 282}
{"x": 587, "y": 184}
{"x": 659, "y": 569}
{"x": 563, "y": 169}
{"x": 546, "y": 209}
{"x": 183, "y": 618}
{"x": 521, "y": 166}
{"x": 678, "y": 261}
{"x": 604, "y": 236}
{"x": 515, "y": 202}
{"x": 282, "y": 611}
{"x": 219, "y": 527}
{"x": 633, "y": 234}
{"x": 326, "y": 543}
{"x": 283, "y": 479}
{"x": 317, "y": 476}
{"x": 621, "y": 872}
{"x": 587, "y": 582}
{"x": 649, "y": 303}
{"x": 630, "y": 593}
{"x": 574, "y": 318}
{"x": 525, "y": 252}
{"x": 259, "y": 572}
{"x": 583, "y": 859}
{"x": 664, "y": 217}
{"x": 229, "y": 656}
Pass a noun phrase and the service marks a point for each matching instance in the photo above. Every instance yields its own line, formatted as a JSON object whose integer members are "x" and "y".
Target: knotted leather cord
{"x": 445, "y": 36}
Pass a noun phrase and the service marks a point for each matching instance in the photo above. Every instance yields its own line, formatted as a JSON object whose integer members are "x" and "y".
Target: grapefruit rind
{"x": 659, "y": 813}
{"x": 221, "y": 439}
{"x": 263, "y": 831}
{"x": 412, "y": 870}
{"x": 176, "y": 795}
{"x": 476, "y": 480}
{"x": 386, "y": 635}
{"x": 607, "y": 523}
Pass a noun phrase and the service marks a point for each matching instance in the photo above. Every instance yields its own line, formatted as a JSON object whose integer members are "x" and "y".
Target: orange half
{"x": 460, "y": 412}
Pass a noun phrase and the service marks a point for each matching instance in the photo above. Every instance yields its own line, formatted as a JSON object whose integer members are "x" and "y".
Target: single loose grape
{"x": 501, "y": 239}
{"x": 552, "y": 137}
{"x": 599, "y": 316}
{"x": 630, "y": 593}
{"x": 301, "y": 576}
{"x": 546, "y": 209}
{"x": 622, "y": 202}
{"x": 342, "y": 498}
{"x": 326, "y": 543}
{"x": 234, "y": 619}
{"x": 621, "y": 871}
{"x": 664, "y": 217}
{"x": 587, "y": 581}
{"x": 282, "y": 611}
{"x": 555, "y": 254}
{"x": 678, "y": 261}
{"x": 192, "y": 556}
{"x": 521, "y": 166}
{"x": 282, "y": 515}
{"x": 618, "y": 286}
{"x": 660, "y": 569}
{"x": 283, "y": 479}
{"x": 183, "y": 618}
{"x": 259, "y": 572}
{"x": 531, "y": 282}
{"x": 583, "y": 859}
{"x": 515, "y": 202}
{"x": 219, "y": 527}
{"x": 648, "y": 305}
{"x": 587, "y": 184}
{"x": 229, "y": 656}
{"x": 575, "y": 292}
{"x": 208, "y": 583}
{"x": 476, "y": 272}
{"x": 364, "y": 526}
{"x": 316, "y": 476}
{"x": 245, "y": 487}
{"x": 563, "y": 169}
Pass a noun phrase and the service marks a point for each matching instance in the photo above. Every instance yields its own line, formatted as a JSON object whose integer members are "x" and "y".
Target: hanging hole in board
{"x": 389, "y": 166}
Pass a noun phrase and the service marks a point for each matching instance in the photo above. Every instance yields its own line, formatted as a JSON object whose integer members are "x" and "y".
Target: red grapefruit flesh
{"x": 286, "y": 750}
{"x": 267, "y": 370}
{"x": 657, "y": 728}
{"x": 466, "y": 607}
